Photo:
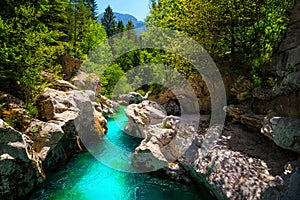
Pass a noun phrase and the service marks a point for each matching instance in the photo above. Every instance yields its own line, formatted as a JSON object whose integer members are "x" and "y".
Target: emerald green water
{"x": 84, "y": 177}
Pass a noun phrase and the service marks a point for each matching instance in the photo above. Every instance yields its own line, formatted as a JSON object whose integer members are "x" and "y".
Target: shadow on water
{"x": 84, "y": 177}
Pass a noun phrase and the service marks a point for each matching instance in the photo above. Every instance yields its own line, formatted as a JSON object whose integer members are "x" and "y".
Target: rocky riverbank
{"x": 240, "y": 164}
{"x": 49, "y": 139}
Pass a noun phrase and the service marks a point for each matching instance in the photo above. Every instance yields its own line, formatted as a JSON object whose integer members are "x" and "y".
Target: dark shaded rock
{"x": 288, "y": 189}
{"x": 286, "y": 105}
{"x": 245, "y": 116}
{"x": 292, "y": 38}
{"x": 285, "y": 132}
{"x": 202, "y": 93}
{"x": 172, "y": 107}
{"x": 45, "y": 108}
{"x": 185, "y": 101}
{"x": 69, "y": 66}
{"x": 293, "y": 190}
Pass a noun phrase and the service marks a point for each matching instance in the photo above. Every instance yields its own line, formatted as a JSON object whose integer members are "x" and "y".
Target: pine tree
{"x": 108, "y": 21}
{"x": 120, "y": 27}
{"x": 130, "y": 28}
{"x": 92, "y": 7}
{"x": 129, "y": 25}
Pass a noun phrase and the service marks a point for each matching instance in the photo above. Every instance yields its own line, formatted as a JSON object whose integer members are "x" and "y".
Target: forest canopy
{"x": 35, "y": 34}
{"x": 241, "y": 36}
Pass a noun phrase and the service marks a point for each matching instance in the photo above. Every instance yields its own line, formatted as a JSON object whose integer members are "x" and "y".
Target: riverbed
{"x": 84, "y": 177}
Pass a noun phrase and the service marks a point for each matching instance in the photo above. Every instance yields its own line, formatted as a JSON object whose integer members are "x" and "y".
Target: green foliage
{"x": 26, "y": 49}
{"x": 16, "y": 120}
{"x": 110, "y": 78}
{"x": 32, "y": 109}
{"x": 94, "y": 35}
{"x": 270, "y": 81}
{"x": 257, "y": 80}
{"x": 34, "y": 129}
{"x": 33, "y": 36}
{"x": 238, "y": 34}
{"x": 166, "y": 126}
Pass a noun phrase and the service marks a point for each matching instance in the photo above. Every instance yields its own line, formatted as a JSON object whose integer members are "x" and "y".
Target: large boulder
{"x": 18, "y": 173}
{"x": 165, "y": 143}
{"x": 166, "y": 138}
{"x": 53, "y": 143}
{"x": 285, "y": 132}
{"x": 54, "y": 135}
{"x": 140, "y": 116}
{"x": 64, "y": 105}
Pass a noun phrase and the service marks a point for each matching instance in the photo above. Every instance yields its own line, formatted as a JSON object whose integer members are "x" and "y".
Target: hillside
{"x": 125, "y": 18}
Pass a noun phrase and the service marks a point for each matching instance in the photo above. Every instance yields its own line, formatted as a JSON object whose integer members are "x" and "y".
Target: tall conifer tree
{"x": 108, "y": 21}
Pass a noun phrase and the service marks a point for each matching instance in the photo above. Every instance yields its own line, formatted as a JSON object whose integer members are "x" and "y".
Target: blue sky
{"x": 137, "y": 8}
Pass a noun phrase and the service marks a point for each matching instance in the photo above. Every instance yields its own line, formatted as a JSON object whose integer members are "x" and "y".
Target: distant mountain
{"x": 125, "y": 18}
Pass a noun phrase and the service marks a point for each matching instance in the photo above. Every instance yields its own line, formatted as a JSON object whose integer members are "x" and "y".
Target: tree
{"x": 120, "y": 27}
{"x": 27, "y": 47}
{"x": 130, "y": 30}
{"x": 92, "y": 7}
{"x": 34, "y": 34}
{"x": 94, "y": 36}
{"x": 108, "y": 21}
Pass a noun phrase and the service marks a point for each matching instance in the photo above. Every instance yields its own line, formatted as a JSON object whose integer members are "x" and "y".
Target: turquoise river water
{"x": 85, "y": 178}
